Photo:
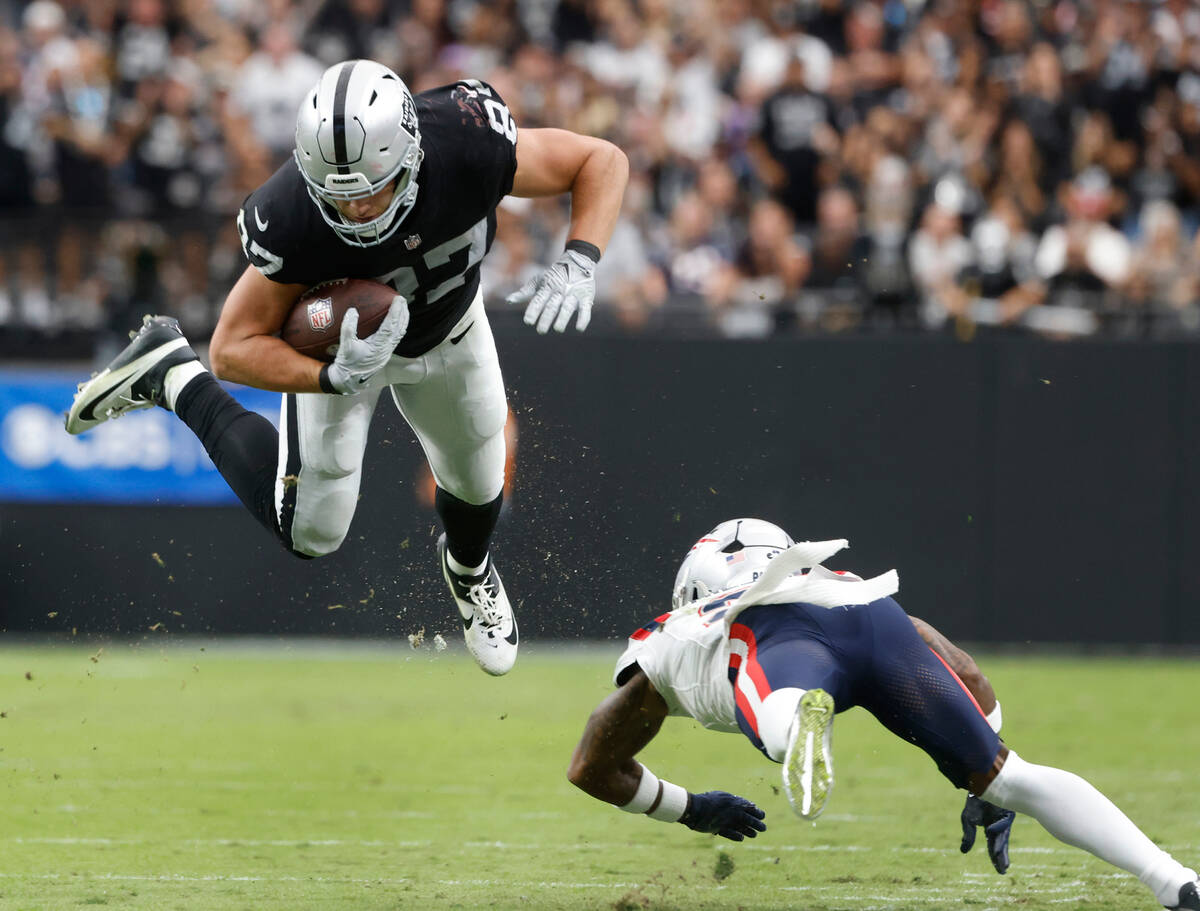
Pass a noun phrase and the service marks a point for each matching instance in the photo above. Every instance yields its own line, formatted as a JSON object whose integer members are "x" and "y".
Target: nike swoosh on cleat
{"x": 88, "y": 413}
{"x": 261, "y": 222}
{"x": 458, "y": 338}
{"x": 511, "y": 638}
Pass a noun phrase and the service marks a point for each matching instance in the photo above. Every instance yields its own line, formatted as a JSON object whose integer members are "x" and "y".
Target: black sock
{"x": 468, "y": 528}
{"x": 242, "y": 444}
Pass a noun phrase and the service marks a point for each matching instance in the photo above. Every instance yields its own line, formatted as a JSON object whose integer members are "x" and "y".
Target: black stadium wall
{"x": 1026, "y": 492}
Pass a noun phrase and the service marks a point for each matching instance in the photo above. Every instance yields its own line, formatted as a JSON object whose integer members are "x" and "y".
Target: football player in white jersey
{"x": 403, "y": 190}
{"x": 763, "y": 639}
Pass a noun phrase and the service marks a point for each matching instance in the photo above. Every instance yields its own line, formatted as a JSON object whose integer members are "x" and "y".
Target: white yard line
{"x": 541, "y": 846}
{"x": 334, "y": 880}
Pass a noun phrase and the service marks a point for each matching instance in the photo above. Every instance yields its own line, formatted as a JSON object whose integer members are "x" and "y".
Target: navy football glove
{"x": 725, "y": 814}
{"x": 996, "y": 822}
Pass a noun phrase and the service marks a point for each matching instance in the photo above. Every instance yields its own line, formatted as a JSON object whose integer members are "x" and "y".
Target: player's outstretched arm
{"x": 594, "y": 172}
{"x": 603, "y": 766}
{"x": 245, "y": 347}
{"x": 618, "y": 729}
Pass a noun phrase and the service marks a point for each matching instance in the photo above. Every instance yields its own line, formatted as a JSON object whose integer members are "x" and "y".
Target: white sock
{"x": 774, "y": 717}
{"x": 178, "y": 377}
{"x": 464, "y": 570}
{"x": 1074, "y": 812}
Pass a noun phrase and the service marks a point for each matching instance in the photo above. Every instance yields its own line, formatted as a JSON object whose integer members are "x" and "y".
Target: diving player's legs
{"x": 318, "y": 471}
{"x": 912, "y": 692}
{"x": 918, "y": 698}
{"x": 1073, "y": 811}
{"x": 789, "y": 678}
{"x": 158, "y": 367}
{"x": 453, "y": 398}
{"x": 776, "y": 655}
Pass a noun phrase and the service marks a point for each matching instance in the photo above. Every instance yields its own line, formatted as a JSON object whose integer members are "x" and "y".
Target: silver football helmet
{"x": 356, "y": 132}
{"x": 732, "y": 554}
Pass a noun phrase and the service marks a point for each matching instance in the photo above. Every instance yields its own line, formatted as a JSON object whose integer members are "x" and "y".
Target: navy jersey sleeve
{"x": 489, "y": 134}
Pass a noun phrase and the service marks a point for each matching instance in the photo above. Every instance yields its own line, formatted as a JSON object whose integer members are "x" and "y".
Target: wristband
{"x": 657, "y": 799}
{"x": 646, "y": 795}
{"x": 672, "y": 805}
{"x": 591, "y": 251}
{"x": 326, "y": 383}
{"x": 994, "y": 718}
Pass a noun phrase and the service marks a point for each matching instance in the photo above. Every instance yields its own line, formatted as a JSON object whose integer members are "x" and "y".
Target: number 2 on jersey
{"x": 441, "y": 269}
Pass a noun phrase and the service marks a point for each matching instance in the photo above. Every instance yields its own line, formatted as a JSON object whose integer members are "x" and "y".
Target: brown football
{"x": 315, "y": 323}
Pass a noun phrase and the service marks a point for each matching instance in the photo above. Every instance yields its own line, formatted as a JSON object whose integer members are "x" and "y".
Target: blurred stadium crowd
{"x": 814, "y": 166}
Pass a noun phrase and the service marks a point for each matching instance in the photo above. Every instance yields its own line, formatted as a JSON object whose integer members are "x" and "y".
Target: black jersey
{"x": 433, "y": 258}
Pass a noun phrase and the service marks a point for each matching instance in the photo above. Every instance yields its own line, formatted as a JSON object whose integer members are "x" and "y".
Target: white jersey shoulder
{"x": 687, "y": 660}
{"x": 686, "y": 653}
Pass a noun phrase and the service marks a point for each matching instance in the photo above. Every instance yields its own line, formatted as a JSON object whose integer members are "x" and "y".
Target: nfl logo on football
{"x": 320, "y": 314}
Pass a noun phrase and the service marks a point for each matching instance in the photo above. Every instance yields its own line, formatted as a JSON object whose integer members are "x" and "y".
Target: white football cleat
{"x": 488, "y": 622}
{"x": 134, "y": 378}
{"x": 808, "y": 763}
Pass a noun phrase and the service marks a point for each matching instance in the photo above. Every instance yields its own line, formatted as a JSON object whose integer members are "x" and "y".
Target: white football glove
{"x": 568, "y": 285}
{"x": 359, "y": 359}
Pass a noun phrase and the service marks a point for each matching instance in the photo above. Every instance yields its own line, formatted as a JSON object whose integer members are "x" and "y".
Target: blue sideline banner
{"x": 147, "y": 456}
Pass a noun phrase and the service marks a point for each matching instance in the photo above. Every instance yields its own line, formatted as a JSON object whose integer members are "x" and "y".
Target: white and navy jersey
{"x": 469, "y": 141}
{"x": 688, "y": 654}
{"x": 686, "y": 657}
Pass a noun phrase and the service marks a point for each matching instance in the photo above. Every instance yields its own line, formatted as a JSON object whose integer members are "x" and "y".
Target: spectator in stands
{"x": 1118, "y": 66}
{"x": 78, "y": 121}
{"x": 632, "y": 289}
{"x": 16, "y": 179}
{"x": 796, "y": 131}
{"x": 142, "y": 46}
{"x": 770, "y": 269}
{"x": 839, "y": 254}
{"x": 698, "y": 268}
{"x": 1085, "y": 258}
{"x": 347, "y": 29}
{"x": 889, "y": 196}
{"x": 1019, "y": 172}
{"x": 956, "y": 139}
{"x": 870, "y": 102}
{"x": 1162, "y": 276}
{"x": 1041, "y": 106}
{"x": 998, "y": 286}
{"x": 874, "y": 69}
{"x": 937, "y": 254}
{"x": 270, "y": 86}
{"x": 626, "y": 59}
{"x": 1097, "y": 146}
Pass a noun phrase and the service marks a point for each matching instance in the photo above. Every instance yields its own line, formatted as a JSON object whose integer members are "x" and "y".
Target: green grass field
{"x": 225, "y": 775}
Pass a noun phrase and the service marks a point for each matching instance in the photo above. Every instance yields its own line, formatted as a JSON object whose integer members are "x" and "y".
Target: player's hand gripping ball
{"x": 314, "y": 326}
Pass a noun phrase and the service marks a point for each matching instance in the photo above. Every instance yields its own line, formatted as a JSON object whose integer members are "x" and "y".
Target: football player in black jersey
{"x": 403, "y": 190}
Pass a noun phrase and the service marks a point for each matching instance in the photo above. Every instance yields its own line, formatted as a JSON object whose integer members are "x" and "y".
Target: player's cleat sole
{"x": 134, "y": 378}
{"x": 1189, "y": 897}
{"x": 489, "y": 626}
{"x": 808, "y": 763}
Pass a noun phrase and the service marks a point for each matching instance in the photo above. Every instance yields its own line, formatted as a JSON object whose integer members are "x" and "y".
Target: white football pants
{"x": 452, "y": 397}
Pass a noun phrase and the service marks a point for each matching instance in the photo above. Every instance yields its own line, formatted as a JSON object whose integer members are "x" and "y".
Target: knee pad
{"x": 478, "y": 478}
{"x": 321, "y": 520}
